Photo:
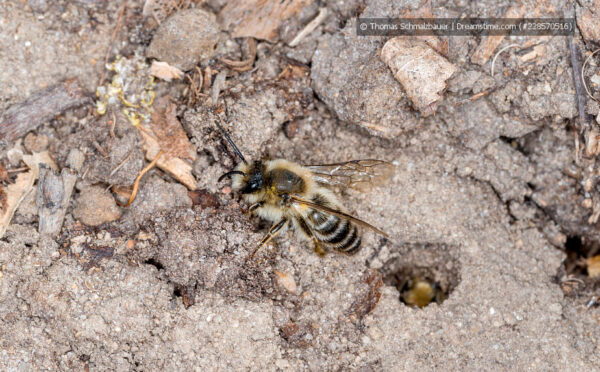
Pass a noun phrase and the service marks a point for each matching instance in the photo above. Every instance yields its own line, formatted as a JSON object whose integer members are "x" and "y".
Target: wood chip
{"x": 53, "y": 197}
{"x": 176, "y": 167}
{"x": 16, "y": 192}
{"x": 40, "y": 107}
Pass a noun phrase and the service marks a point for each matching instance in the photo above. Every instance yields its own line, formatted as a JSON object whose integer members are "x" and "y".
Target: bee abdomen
{"x": 352, "y": 245}
{"x": 336, "y": 233}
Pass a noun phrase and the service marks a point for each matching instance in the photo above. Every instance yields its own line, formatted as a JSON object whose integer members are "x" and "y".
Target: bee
{"x": 421, "y": 292}
{"x": 290, "y": 195}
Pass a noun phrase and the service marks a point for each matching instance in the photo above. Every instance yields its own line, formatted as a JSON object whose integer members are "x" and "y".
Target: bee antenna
{"x": 235, "y": 148}
{"x": 229, "y": 174}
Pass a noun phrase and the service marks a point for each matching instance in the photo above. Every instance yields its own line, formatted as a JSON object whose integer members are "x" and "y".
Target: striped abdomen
{"x": 334, "y": 232}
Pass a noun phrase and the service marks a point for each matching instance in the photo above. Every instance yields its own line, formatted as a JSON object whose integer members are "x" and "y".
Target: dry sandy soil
{"x": 488, "y": 201}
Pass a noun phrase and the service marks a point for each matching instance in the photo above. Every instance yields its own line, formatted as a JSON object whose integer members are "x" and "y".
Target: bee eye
{"x": 255, "y": 183}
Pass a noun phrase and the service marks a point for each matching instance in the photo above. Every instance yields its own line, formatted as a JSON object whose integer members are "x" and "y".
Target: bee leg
{"x": 318, "y": 248}
{"x": 255, "y": 206}
{"x": 307, "y": 230}
{"x": 272, "y": 232}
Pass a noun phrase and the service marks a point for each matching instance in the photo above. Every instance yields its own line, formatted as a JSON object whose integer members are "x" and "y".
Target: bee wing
{"x": 335, "y": 212}
{"x": 361, "y": 175}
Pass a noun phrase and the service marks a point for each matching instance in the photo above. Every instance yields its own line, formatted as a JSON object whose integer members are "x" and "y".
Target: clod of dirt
{"x": 35, "y": 143}
{"x": 348, "y": 75}
{"x": 588, "y": 20}
{"x": 156, "y": 195}
{"x": 201, "y": 248}
{"x": 115, "y": 160}
{"x": 95, "y": 206}
{"x": 560, "y": 196}
{"x": 297, "y": 335}
{"x": 185, "y": 38}
{"x": 75, "y": 159}
{"x": 420, "y": 69}
{"x": 253, "y": 116}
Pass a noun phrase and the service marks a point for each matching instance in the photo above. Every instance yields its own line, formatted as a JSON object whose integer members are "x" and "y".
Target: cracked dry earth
{"x": 166, "y": 284}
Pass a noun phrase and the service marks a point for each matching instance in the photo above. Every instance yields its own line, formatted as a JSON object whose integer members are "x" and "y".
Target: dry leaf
{"x": 169, "y": 133}
{"x": 420, "y": 69}
{"x": 16, "y": 192}
{"x": 178, "y": 168}
{"x": 259, "y": 19}
{"x": 593, "y": 266}
{"x": 165, "y": 133}
{"x": 165, "y": 71}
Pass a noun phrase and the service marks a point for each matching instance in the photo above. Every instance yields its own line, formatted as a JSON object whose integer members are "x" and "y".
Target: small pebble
{"x": 95, "y": 206}
{"x": 185, "y": 39}
{"x": 75, "y": 159}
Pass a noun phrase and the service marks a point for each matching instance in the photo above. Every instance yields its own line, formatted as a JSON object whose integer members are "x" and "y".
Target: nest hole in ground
{"x": 423, "y": 273}
{"x": 573, "y": 275}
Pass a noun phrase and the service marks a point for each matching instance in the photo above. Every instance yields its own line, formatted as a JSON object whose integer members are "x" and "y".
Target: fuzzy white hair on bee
{"x": 291, "y": 195}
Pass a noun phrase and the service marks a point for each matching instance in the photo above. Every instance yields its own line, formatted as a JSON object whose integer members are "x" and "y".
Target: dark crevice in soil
{"x": 577, "y": 250}
{"x": 506, "y": 204}
{"x": 515, "y": 143}
{"x": 577, "y": 286}
{"x": 155, "y": 263}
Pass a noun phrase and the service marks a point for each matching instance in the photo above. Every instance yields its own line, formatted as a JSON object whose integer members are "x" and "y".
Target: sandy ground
{"x": 479, "y": 203}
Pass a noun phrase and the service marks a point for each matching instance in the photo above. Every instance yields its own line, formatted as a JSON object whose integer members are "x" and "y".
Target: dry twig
{"x": 577, "y": 74}
{"x": 136, "y": 184}
{"x": 499, "y": 52}
{"x": 246, "y": 64}
{"x": 112, "y": 39}
{"x": 309, "y": 27}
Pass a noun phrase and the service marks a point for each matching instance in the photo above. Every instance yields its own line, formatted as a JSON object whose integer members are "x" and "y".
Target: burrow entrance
{"x": 423, "y": 273}
{"x": 575, "y": 274}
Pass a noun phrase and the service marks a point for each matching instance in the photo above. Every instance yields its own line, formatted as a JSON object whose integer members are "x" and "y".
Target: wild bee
{"x": 421, "y": 292}
{"x": 292, "y": 195}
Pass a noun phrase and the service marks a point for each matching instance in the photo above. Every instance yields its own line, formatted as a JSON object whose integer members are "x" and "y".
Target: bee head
{"x": 247, "y": 178}
{"x": 254, "y": 178}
